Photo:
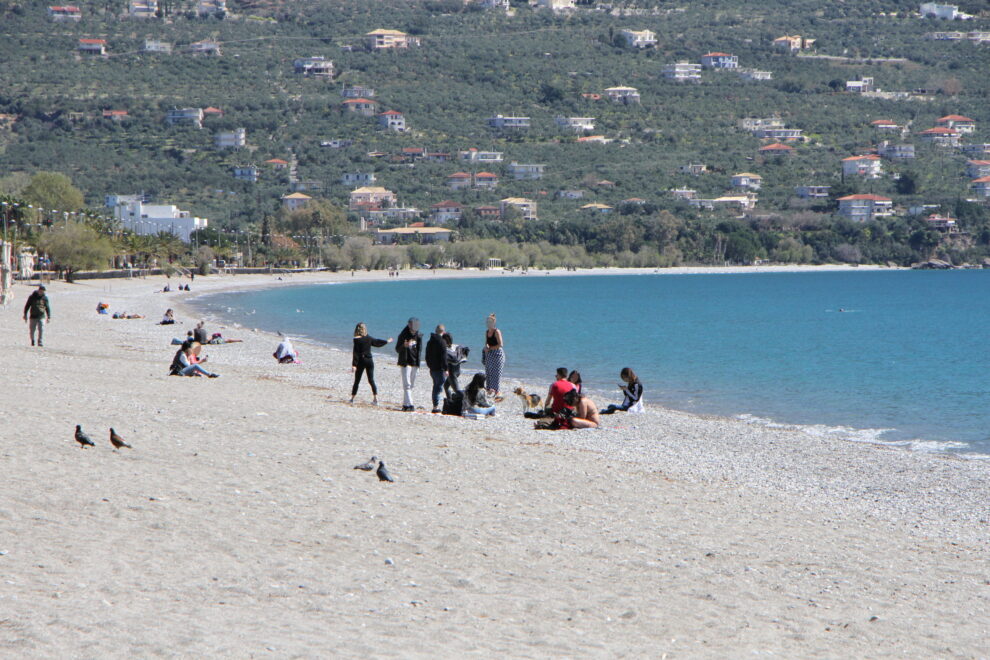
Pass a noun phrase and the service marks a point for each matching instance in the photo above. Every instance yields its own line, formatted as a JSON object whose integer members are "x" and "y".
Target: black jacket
{"x": 362, "y": 349}
{"x": 409, "y": 357}
{"x": 436, "y": 353}
{"x": 38, "y": 306}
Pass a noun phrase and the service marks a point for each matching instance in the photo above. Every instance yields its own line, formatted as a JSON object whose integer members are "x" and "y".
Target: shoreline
{"x": 237, "y": 524}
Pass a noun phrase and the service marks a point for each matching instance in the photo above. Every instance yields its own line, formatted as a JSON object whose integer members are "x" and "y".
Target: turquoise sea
{"x": 898, "y": 357}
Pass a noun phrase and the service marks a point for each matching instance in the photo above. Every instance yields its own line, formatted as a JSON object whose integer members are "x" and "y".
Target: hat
{"x": 41, "y": 287}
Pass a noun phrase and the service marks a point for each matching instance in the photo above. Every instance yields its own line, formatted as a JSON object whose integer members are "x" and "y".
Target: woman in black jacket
{"x": 362, "y": 360}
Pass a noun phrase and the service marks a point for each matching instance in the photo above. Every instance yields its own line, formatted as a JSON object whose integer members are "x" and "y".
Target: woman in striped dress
{"x": 493, "y": 358}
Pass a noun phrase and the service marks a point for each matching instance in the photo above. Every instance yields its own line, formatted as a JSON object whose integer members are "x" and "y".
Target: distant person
{"x": 285, "y": 352}
{"x": 200, "y": 333}
{"x": 189, "y": 338}
{"x": 38, "y": 309}
{"x": 579, "y": 412}
{"x": 408, "y": 346}
{"x": 436, "y": 362}
{"x": 632, "y": 391}
{"x": 493, "y": 357}
{"x": 560, "y": 387}
{"x": 575, "y": 379}
{"x": 188, "y": 363}
{"x": 168, "y": 318}
{"x": 455, "y": 357}
{"x": 476, "y": 398}
{"x": 362, "y": 361}
{"x": 102, "y": 308}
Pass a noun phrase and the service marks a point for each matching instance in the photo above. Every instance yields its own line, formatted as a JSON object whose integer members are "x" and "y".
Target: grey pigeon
{"x": 82, "y": 438}
{"x": 369, "y": 466}
{"x": 382, "y": 472}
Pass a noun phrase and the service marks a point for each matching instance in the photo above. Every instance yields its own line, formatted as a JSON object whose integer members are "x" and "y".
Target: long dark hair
{"x": 575, "y": 377}
{"x": 477, "y": 383}
{"x": 629, "y": 375}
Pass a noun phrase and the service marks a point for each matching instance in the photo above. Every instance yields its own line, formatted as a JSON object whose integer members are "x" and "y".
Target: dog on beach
{"x": 530, "y": 401}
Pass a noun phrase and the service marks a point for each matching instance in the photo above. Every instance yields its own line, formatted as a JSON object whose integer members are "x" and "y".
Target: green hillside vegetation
{"x": 474, "y": 63}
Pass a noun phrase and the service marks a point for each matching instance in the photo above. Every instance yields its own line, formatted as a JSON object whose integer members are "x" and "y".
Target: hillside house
{"x": 862, "y": 208}
{"x": 860, "y": 86}
{"x": 277, "y": 163}
{"x": 569, "y": 194}
{"x": 944, "y": 12}
{"x": 754, "y": 124}
{"x": 360, "y": 106}
{"x": 524, "y": 171}
{"x": 777, "y": 149}
{"x": 682, "y": 72}
{"x": 357, "y": 91}
{"x": 684, "y": 193}
{"x": 885, "y": 125}
{"x": 115, "y": 115}
{"x": 504, "y": 5}
{"x": 868, "y": 166}
{"x": 391, "y": 214}
{"x": 392, "y": 120}
{"x": 205, "y": 47}
{"x": 316, "y": 67}
{"x": 142, "y": 9}
{"x": 634, "y": 201}
{"x": 556, "y": 5}
{"x": 476, "y": 156}
{"x": 211, "y": 112}
{"x": 185, "y": 116}
{"x": 597, "y": 207}
{"x": 740, "y": 202}
{"x": 211, "y": 8}
{"x": 337, "y": 143}
{"x": 981, "y": 187}
{"x": 437, "y": 156}
{"x": 694, "y": 169}
{"x": 525, "y": 207}
{"x": 235, "y": 139}
{"x": 485, "y": 181}
{"x": 812, "y": 192}
{"x": 941, "y": 136}
{"x": 773, "y": 133}
{"x": 977, "y": 168}
{"x": 305, "y": 185}
{"x": 504, "y": 123}
{"x": 459, "y": 181}
{"x": 719, "y": 61}
{"x": 792, "y": 44}
{"x": 594, "y": 139}
{"x": 410, "y": 155}
{"x": 150, "y": 219}
{"x": 624, "y": 95}
{"x": 249, "y": 174}
{"x": 487, "y": 212}
{"x": 65, "y": 13}
{"x": 422, "y": 235}
{"x": 942, "y": 223}
{"x": 92, "y": 46}
{"x": 446, "y": 211}
{"x": 747, "y": 181}
{"x": 977, "y": 150}
{"x": 152, "y": 46}
{"x": 389, "y": 40}
{"x": 638, "y": 38}
{"x": 372, "y": 196}
{"x": 755, "y": 74}
{"x": 895, "y": 151}
{"x": 575, "y": 124}
{"x": 358, "y": 178}
{"x": 957, "y": 122}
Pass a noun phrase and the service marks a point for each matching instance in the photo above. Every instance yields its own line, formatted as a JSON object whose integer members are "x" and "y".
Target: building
{"x": 357, "y": 91}
{"x": 205, "y": 47}
{"x": 520, "y": 171}
{"x": 115, "y": 115}
{"x": 569, "y": 194}
{"x": 942, "y": 223}
{"x": 337, "y": 143}
{"x": 459, "y": 181}
{"x": 594, "y": 139}
{"x": 862, "y": 208}
{"x": 360, "y": 106}
{"x": 249, "y": 173}
{"x": 487, "y": 212}
{"x": 495, "y": 4}
{"x": 235, "y": 139}
{"x": 624, "y": 95}
{"x": 975, "y": 149}
{"x": 885, "y": 125}
{"x": 152, "y": 46}
{"x": 771, "y": 133}
{"x": 740, "y": 202}
{"x": 860, "y": 86}
{"x": 485, "y": 181}
{"x": 422, "y": 235}
{"x": 93, "y": 46}
{"x": 597, "y": 207}
{"x": 694, "y": 169}
{"x": 942, "y": 136}
{"x": 392, "y": 120}
{"x": 945, "y": 12}
{"x": 358, "y": 178}
{"x": 684, "y": 193}
{"x": 525, "y": 207}
{"x": 446, "y": 211}
{"x": 149, "y": 219}
{"x": 575, "y": 124}
{"x": 776, "y": 149}
{"x": 142, "y": 8}
{"x": 504, "y": 123}
{"x": 317, "y": 67}
{"x": 981, "y": 187}
{"x": 754, "y": 74}
{"x": 295, "y": 201}
{"x": 301, "y": 185}
{"x": 65, "y": 13}
{"x": 212, "y": 112}
{"x": 754, "y": 124}
{"x": 373, "y": 197}
{"x": 812, "y": 192}
{"x": 977, "y": 168}
{"x": 555, "y": 5}
{"x": 868, "y": 166}
{"x": 957, "y": 122}
{"x": 682, "y": 72}
{"x": 212, "y": 7}
{"x": 747, "y": 181}
{"x": 185, "y": 116}
{"x": 719, "y": 61}
{"x": 389, "y": 39}
{"x": 792, "y": 44}
{"x": 638, "y": 38}
{"x": 895, "y": 151}
{"x": 277, "y": 163}
{"x": 476, "y": 156}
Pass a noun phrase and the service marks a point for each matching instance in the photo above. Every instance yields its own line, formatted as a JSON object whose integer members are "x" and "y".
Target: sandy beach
{"x": 237, "y": 528}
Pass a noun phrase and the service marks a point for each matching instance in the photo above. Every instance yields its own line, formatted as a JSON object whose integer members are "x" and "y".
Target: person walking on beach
{"x": 632, "y": 391}
{"x": 436, "y": 362}
{"x": 39, "y": 310}
{"x": 409, "y": 346}
{"x": 493, "y": 357}
{"x": 362, "y": 362}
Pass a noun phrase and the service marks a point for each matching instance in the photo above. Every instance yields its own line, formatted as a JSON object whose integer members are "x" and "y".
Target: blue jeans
{"x": 490, "y": 410}
{"x": 194, "y": 369}
{"x": 439, "y": 378}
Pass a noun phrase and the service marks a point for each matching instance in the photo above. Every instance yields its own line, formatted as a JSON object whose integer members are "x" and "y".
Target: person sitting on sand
{"x": 200, "y": 333}
{"x": 285, "y": 352}
{"x": 555, "y": 397}
{"x": 476, "y": 398}
{"x": 187, "y": 362}
{"x": 632, "y": 391}
{"x": 575, "y": 379}
{"x": 168, "y": 318}
{"x": 217, "y": 338}
{"x": 102, "y": 308}
{"x": 579, "y": 412}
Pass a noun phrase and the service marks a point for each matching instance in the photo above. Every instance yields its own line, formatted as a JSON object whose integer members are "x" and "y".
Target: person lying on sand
{"x": 125, "y": 315}
{"x": 217, "y": 338}
{"x": 178, "y": 342}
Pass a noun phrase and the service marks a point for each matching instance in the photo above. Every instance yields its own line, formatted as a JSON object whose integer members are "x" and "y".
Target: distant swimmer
{"x": 841, "y": 309}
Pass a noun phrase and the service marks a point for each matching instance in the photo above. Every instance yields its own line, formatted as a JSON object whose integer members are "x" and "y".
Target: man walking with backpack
{"x": 39, "y": 309}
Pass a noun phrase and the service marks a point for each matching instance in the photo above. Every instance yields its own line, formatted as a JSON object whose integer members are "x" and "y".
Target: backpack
{"x": 453, "y": 405}
{"x": 176, "y": 367}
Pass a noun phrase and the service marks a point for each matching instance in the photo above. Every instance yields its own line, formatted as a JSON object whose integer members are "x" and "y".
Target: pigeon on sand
{"x": 117, "y": 441}
{"x": 82, "y": 438}
{"x": 369, "y": 466}
{"x": 382, "y": 472}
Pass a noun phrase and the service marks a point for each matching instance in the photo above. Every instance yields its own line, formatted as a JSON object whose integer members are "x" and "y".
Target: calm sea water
{"x": 898, "y": 357}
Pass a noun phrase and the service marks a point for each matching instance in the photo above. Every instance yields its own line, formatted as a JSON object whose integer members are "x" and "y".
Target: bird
{"x": 82, "y": 438}
{"x": 382, "y": 473}
{"x": 117, "y": 441}
{"x": 369, "y": 466}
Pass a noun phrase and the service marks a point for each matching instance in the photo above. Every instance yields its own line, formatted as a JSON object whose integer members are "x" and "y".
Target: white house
{"x": 682, "y": 72}
{"x": 357, "y": 91}
{"x": 977, "y": 168}
{"x": 792, "y": 43}
{"x": 942, "y": 136}
{"x": 446, "y": 211}
{"x": 412, "y": 234}
{"x": 142, "y": 8}
{"x": 502, "y": 122}
{"x": 812, "y": 192}
{"x": 885, "y": 125}
{"x": 93, "y": 46}
{"x": 754, "y": 74}
{"x": 148, "y": 219}
{"x": 389, "y": 39}
{"x": 295, "y": 201}
{"x": 895, "y": 151}
{"x": 372, "y": 196}
{"x": 249, "y": 173}
{"x": 65, "y": 13}
{"x": 860, "y": 86}
{"x": 741, "y": 202}
{"x": 981, "y": 187}
{"x": 190, "y": 116}
{"x": 152, "y": 46}
{"x": 520, "y": 171}
{"x": 575, "y": 124}
{"x": 205, "y": 47}
{"x": 957, "y": 122}
{"x": 719, "y": 61}
{"x": 392, "y": 120}
{"x": 756, "y": 123}
{"x": 975, "y": 149}
{"x": 569, "y": 194}
{"x": 476, "y": 156}
{"x": 624, "y": 95}
{"x": 862, "y": 208}
{"x": 235, "y": 139}
{"x": 526, "y": 207}
{"x": 459, "y": 181}
{"x": 555, "y": 5}
{"x": 773, "y": 133}
{"x": 868, "y": 166}
{"x": 694, "y": 169}
{"x": 317, "y": 66}
{"x": 747, "y": 181}
{"x": 358, "y": 178}
{"x": 945, "y": 12}
{"x": 211, "y": 7}
{"x": 638, "y": 38}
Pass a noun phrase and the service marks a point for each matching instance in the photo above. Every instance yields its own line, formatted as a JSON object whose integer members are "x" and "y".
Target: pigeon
{"x": 117, "y": 441}
{"x": 369, "y": 466}
{"x": 82, "y": 438}
{"x": 382, "y": 473}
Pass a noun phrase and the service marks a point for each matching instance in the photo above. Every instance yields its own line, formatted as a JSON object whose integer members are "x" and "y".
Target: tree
{"x": 53, "y": 191}
{"x": 75, "y": 247}
{"x": 907, "y": 184}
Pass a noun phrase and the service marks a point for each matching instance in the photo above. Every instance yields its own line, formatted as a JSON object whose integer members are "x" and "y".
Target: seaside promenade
{"x": 237, "y": 528}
